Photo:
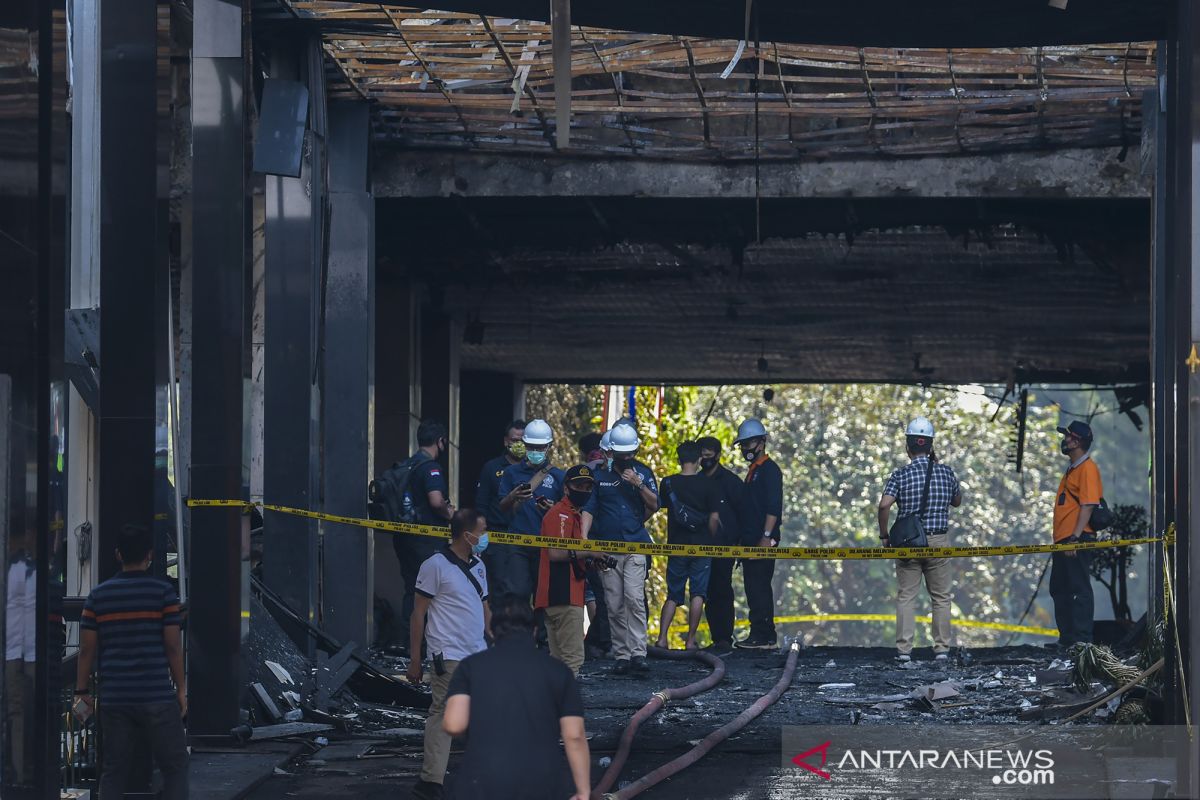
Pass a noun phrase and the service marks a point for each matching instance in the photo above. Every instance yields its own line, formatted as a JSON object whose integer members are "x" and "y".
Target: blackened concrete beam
{"x": 1082, "y": 174}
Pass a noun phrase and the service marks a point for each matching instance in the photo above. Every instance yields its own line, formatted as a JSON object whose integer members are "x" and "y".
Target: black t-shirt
{"x": 764, "y": 496}
{"x": 427, "y": 477}
{"x": 731, "y": 492}
{"x": 695, "y": 491}
{"x": 518, "y": 695}
{"x": 487, "y": 493}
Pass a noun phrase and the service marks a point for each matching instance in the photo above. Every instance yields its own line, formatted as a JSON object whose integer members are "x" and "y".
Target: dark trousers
{"x": 718, "y": 606}
{"x": 598, "y": 634}
{"x": 1071, "y": 590}
{"x": 411, "y": 551}
{"x": 511, "y": 570}
{"x": 760, "y": 597}
{"x": 128, "y": 732}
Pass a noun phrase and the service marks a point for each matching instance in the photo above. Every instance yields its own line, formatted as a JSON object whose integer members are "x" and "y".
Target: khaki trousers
{"x": 437, "y": 741}
{"x": 625, "y": 594}
{"x": 564, "y": 633}
{"x": 939, "y": 580}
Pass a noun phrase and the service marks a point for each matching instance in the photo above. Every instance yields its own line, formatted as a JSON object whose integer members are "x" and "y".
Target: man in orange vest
{"x": 1079, "y": 493}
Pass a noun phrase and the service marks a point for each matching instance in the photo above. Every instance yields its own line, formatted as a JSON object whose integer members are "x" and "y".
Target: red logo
{"x": 823, "y": 749}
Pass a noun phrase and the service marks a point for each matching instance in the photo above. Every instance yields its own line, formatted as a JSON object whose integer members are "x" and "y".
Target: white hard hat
{"x": 920, "y": 427}
{"x": 537, "y": 431}
{"x": 750, "y": 429}
{"x": 623, "y": 438}
{"x": 606, "y": 441}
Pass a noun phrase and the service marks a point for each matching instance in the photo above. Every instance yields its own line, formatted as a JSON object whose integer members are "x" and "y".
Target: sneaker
{"x": 942, "y": 658}
{"x": 753, "y": 642}
{"x": 427, "y": 790}
{"x": 903, "y": 658}
{"x": 621, "y": 667}
{"x": 638, "y": 664}
{"x": 722, "y": 648}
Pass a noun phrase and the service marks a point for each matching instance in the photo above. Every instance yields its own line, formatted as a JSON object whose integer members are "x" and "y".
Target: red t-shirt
{"x": 557, "y": 584}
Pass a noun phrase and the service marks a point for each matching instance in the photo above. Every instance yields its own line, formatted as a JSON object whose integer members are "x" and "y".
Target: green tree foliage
{"x": 836, "y": 446}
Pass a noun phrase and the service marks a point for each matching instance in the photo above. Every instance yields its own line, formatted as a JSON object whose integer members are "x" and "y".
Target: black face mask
{"x": 579, "y": 497}
{"x": 622, "y": 464}
{"x": 707, "y": 463}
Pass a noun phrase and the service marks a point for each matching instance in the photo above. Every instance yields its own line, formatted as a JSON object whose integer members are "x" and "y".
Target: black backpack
{"x": 685, "y": 515}
{"x": 388, "y": 495}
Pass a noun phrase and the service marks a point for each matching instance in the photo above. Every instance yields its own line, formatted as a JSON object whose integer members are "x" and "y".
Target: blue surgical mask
{"x": 480, "y": 546}
{"x": 536, "y": 457}
{"x": 608, "y": 463}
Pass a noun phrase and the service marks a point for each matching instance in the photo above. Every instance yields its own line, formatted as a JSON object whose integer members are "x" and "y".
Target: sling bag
{"x": 909, "y": 531}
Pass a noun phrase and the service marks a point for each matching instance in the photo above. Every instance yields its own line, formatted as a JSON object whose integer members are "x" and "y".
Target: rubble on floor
{"x": 380, "y": 747}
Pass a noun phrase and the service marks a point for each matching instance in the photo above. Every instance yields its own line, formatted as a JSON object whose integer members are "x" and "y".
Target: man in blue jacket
{"x": 624, "y": 498}
{"x": 527, "y": 489}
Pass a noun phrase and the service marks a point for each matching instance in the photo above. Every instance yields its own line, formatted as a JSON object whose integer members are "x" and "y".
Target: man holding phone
{"x": 527, "y": 489}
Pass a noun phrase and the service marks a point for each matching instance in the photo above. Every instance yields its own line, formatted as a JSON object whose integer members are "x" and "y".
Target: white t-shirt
{"x": 454, "y": 625}
{"x": 20, "y": 641}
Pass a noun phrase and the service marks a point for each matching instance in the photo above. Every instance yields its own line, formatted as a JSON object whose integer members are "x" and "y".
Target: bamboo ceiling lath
{"x": 451, "y": 80}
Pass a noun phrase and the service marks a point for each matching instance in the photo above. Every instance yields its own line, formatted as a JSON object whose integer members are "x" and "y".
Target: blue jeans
{"x": 687, "y": 571}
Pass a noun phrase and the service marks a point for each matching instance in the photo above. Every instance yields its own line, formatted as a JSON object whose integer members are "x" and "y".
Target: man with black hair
{"x": 487, "y": 489}
{"x": 430, "y": 501}
{"x": 718, "y": 607}
{"x": 1079, "y": 493}
{"x": 131, "y": 622}
{"x": 761, "y": 517}
{"x": 451, "y": 613}
{"x": 693, "y": 518}
{"x": 516, "y": 702}
{"x": 907, "y": 487}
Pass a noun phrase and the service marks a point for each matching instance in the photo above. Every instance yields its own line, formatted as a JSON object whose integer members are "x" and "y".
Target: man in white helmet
{"x": 762, "y": 513}
{"x": 907, "y": 487}
{"x": 527, "y": 489}
{"x": 624, "y": 498}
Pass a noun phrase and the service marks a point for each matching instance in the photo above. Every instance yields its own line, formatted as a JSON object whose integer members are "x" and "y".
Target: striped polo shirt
{"x": 129, "y": 612}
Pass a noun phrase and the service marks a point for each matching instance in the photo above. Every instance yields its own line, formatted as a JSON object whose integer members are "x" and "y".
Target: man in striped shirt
{"x": 131, "y": 621}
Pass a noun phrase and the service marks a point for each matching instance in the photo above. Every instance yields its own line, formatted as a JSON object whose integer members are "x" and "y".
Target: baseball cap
{"x": 579, "y": 472}
{"x": 1079, "y": 428}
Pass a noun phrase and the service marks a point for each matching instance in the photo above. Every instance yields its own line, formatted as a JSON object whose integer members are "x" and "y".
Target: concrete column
{"x": 294, "y": 249}
{"x": 347, "y": 568}
{"x": 397, "y": 407}
{"x": 441, "y": 345}
{"x": 488, "y": 405}
{"x": 128, "y": 260}
{"x": 217, "y": 569}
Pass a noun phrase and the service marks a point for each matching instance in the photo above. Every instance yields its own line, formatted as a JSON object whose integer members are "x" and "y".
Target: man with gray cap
{"x": 763, "y": 510}
{"x": 926, "y": 489}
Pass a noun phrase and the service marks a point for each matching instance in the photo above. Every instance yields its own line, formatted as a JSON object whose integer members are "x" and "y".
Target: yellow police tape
{"x": 715, "y": 551}
{"x": 961, "y": 623}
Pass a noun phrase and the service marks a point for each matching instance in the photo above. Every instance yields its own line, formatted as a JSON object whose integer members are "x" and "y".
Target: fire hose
{"x": 657, "y": 701}
{"x": 684, "y": 761}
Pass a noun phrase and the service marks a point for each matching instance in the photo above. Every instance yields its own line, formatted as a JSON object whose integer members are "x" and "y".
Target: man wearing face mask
{"x": 562, "y": 573}
{"x": 763, "y": 510}
{"x": 625, "y": 497}
{"x": 487, "y": 489}
{"x": 527, "y": 490}
{"x": 718, "y": 608}
{"x": 451, "y": 611}
{"x": 1079, "y": 493}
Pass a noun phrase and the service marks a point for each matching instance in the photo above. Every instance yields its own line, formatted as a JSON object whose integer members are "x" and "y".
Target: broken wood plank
{"x": 287, "y": 729}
